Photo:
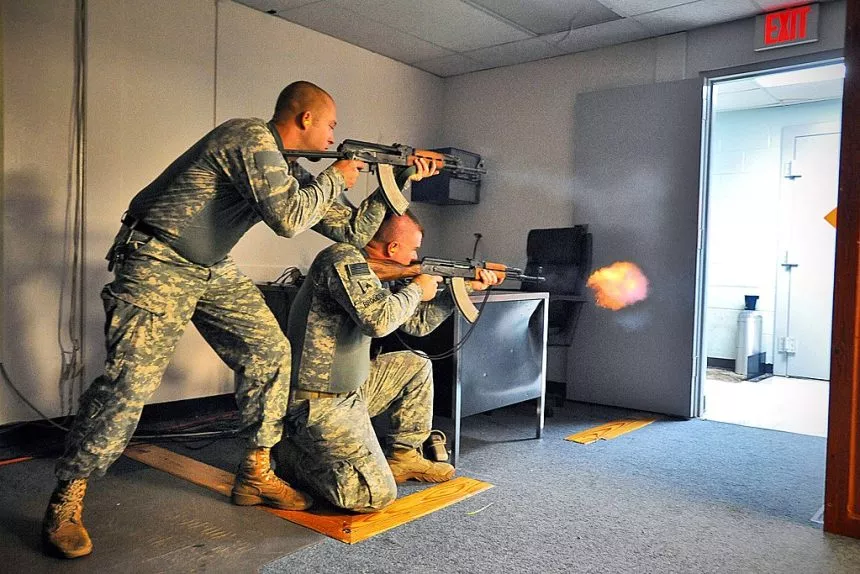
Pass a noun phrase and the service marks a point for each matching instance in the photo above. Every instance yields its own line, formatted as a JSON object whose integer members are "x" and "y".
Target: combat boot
{"x": 63, "y": 531}
{"x": 256, "y": 483}
{"x": 408, "y": 464}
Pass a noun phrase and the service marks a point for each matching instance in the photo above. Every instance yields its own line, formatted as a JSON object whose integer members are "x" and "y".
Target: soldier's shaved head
{"x": 393, "y": 226}
{"x": 398, "y": 239}
{"x": 300, "y": 97}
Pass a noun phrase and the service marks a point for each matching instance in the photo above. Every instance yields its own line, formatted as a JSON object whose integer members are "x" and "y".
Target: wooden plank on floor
{"x": 609, "y": 430}
{"x": 352, "y": 528}
{"x": 183, "y": 467}
{"x": 344, "y": 526}
{"x": 15, "y": 460}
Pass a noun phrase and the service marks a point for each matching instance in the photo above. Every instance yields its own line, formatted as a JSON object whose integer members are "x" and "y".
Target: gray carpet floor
{"x": 675, "y": 496}
{"x": 141, "y": 520}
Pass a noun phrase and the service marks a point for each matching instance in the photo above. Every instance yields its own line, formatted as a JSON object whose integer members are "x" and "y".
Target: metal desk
{"x": 502, "y": 362}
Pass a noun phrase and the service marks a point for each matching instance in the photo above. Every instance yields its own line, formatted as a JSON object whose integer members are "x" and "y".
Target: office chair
{"x": 563, "y": 256}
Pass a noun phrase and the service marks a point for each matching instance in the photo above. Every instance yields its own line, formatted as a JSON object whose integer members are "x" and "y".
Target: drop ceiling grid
{"x": 450, "y": 37}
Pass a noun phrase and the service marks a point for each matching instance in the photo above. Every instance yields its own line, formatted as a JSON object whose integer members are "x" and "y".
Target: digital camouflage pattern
{"x": 200, "y": 206}
{"x": 147, "y": 307}
{"x": 235, "y": 177}
{"x": 332, "y": 448}
{"x": 341, "y": 305}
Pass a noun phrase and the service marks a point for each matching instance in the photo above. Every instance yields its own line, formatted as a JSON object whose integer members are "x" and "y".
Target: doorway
{"x": 771, "y": 175}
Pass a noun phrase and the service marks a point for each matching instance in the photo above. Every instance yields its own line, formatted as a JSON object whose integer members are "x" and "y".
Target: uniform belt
{"x": 303, "y": 394}
{"x": 137, "y": 224}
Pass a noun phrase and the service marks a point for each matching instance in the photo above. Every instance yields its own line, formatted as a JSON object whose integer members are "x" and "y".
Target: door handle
{"x": 788, "y": 266}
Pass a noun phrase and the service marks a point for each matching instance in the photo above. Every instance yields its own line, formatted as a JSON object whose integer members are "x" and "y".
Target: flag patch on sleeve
{"x": 357, "y": 270}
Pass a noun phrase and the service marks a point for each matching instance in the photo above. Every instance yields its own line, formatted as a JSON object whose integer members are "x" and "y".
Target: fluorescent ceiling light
{"x": 802, "y": 76}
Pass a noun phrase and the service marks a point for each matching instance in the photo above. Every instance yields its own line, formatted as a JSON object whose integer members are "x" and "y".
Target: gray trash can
{"x": 749, "y": 358}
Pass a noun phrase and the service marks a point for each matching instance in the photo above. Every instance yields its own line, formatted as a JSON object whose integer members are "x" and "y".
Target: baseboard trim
{"x": 721, "y": 363}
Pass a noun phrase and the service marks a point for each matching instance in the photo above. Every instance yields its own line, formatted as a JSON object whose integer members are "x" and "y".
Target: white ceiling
{"x": 808, "y": 84}
{"x": 451, "y": 37}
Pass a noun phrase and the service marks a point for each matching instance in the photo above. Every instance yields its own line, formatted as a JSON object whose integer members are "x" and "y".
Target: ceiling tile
{"x": 368, "y": 34}
{"x": 452, "y": 65}
{"x": 548, "y": 16}
{"x": 447, "y": 23}
{"x": 600, "y": 35}
{"x": 743, "y": 100}
{"x": 730, "y": 86}
{"x": 696, "y": 15}
{"x": 275, "y": 5}
{"x": 827, "y": 90}
{"x": 635, "y": 7}
{"x": 515, "y": 52}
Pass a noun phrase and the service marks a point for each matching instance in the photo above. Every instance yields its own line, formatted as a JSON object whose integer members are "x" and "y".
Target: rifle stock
{"x": 455, "y": 273}
{"x": 391, "y": 271}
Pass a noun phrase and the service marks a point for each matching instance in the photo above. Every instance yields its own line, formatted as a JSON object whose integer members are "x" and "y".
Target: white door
{"x": 810, "y": 160}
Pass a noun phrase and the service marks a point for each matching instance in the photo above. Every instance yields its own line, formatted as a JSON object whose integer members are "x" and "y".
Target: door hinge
{"x": 790, "y": 170}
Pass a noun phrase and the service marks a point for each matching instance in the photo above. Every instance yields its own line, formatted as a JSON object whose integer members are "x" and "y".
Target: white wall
{"x": 520, "y": 118}
{"x": 743, "y": 225}
{"x": 152, "y": 91}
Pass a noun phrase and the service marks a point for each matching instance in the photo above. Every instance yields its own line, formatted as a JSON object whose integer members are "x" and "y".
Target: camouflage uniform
{"x": 332, "y": 448}
{"x": 180, "y": 270}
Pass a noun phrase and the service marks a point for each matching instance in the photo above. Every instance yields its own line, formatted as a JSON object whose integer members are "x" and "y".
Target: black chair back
{"x": 563, "y": 256}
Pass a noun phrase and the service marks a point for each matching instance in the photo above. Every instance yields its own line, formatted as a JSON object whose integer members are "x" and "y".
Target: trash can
{"x": 749, "y": 360}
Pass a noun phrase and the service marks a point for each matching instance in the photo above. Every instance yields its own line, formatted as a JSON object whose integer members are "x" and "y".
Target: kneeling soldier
{"x": 332, "y": 449}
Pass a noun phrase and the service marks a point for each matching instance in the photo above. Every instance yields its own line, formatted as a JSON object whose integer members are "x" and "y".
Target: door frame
{"x": 700, "y": 355}
{"x": 842, "y": 472}
{"x": 842, "y": 483}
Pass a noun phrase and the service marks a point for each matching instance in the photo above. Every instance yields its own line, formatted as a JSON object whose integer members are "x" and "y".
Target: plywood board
{"x": 344, "y": 526}
{"x": 609, "y": 430}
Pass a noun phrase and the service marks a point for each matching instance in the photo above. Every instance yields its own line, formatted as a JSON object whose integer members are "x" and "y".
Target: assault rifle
{"x": 383, "y": 158}
{"x": 455, "y": 274}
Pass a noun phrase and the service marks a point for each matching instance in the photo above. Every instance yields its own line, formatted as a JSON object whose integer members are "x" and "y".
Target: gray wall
{"x": 637, "y": 184}
{"x": 520, "y": 118}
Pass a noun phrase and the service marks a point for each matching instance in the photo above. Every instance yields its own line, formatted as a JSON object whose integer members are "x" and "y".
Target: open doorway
{"x": 772, "y": 174}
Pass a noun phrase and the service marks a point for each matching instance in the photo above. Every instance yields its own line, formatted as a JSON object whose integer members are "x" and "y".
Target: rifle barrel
{"x": 533, "y": 278}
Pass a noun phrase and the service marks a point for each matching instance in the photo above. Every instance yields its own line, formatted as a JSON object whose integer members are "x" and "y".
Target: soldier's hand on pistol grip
{"x": 488, "y": 279}
{"x": 349, "y": 168}
{"x": 428, "y": 284}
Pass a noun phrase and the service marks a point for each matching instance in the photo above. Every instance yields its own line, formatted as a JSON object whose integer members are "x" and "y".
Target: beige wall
{"x": 160, "y": 74}
{"x": 37, "y": 97}
{"x": 377, "y": 100}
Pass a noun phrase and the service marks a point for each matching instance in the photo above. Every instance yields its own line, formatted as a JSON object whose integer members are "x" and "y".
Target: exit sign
{"x": 789, "y": 27}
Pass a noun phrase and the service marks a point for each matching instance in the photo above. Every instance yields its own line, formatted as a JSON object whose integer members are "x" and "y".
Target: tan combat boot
{"x": 256, "y": 483}
{"x": 63, "y": 531}
{"x": 408, "y": 464}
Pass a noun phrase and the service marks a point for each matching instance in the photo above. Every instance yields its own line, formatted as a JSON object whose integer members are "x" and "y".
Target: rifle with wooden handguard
{"x": 383, "y": 158}
{"x": 455, "y": 274}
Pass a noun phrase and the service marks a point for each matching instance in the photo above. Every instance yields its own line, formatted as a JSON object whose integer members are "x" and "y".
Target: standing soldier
{"x": 332, "y": 448}
{"x": 172, "y": 265}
